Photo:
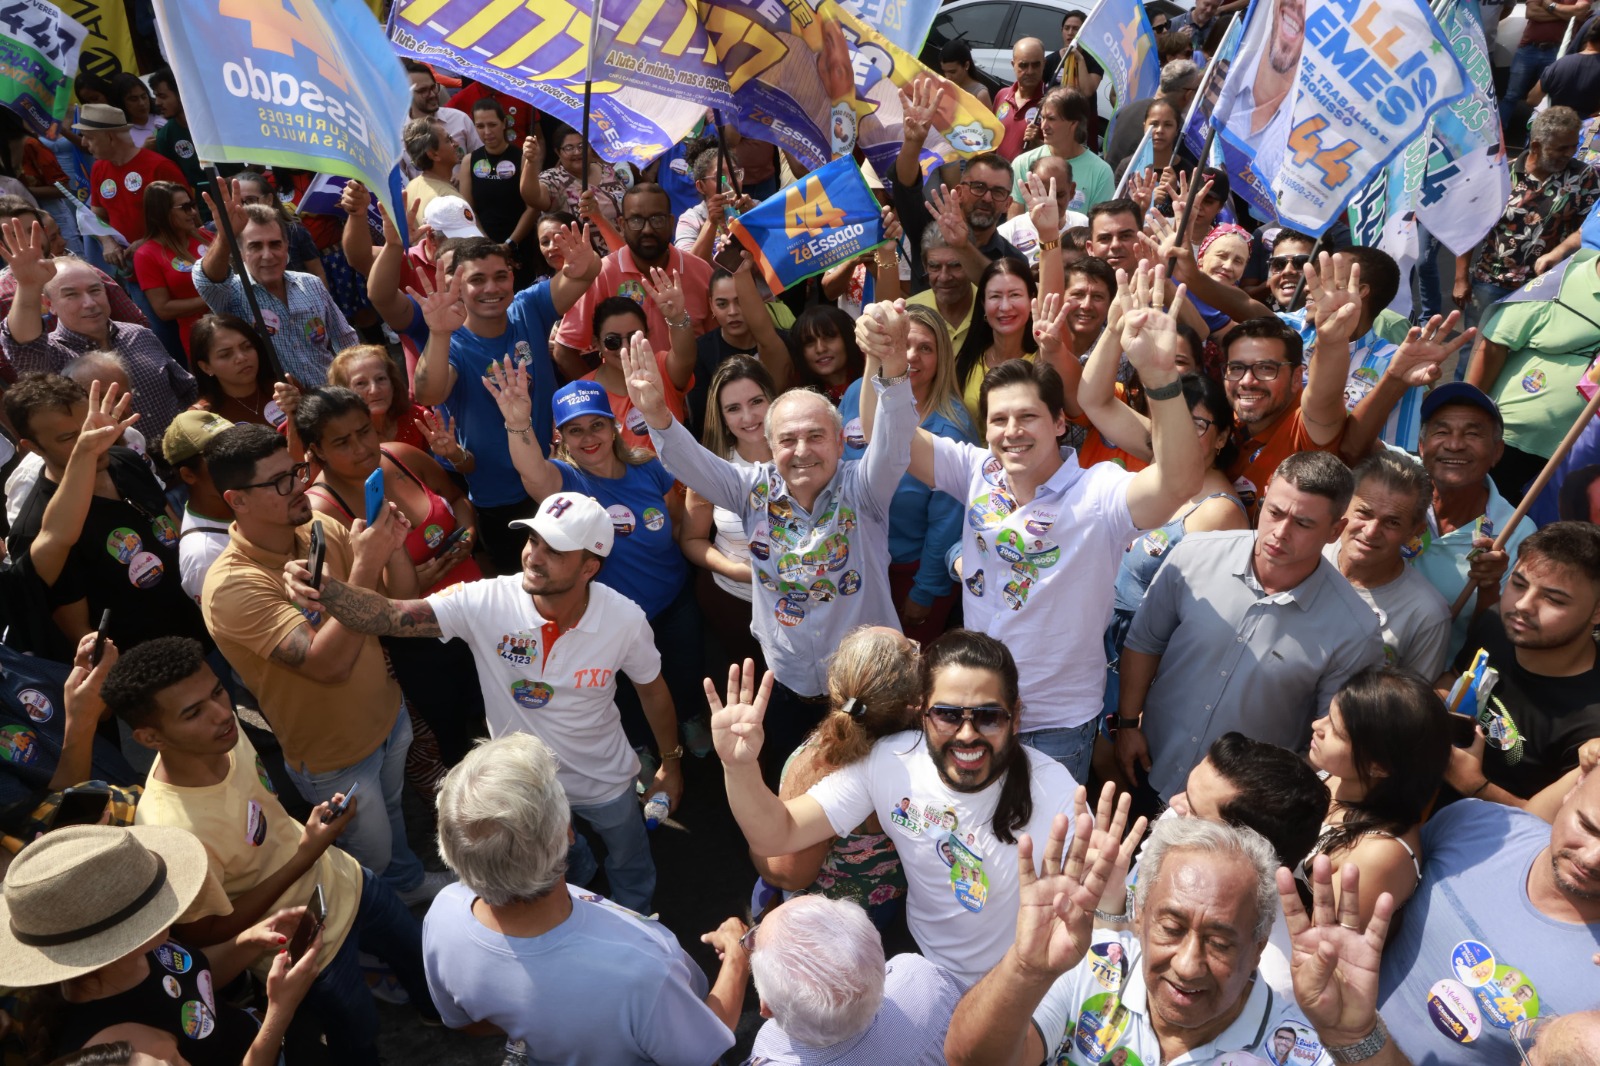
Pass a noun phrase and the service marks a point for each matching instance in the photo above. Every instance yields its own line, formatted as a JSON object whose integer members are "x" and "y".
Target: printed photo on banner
{"x": 39, "y": 54}
{"x": 1118, "y": 34}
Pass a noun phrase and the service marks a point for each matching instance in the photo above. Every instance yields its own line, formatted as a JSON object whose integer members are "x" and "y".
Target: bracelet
{"x": 1049, "y": 246}
{"x": 1118, "y": 919}
{"x": 1170, "y": 391}
{"x": 675, "y": 753}
{"x": 1363, "y": 1049}
{"x": 1127, "y": 723}
{"x": 683, "y": 323}
{"x": 885, "y": 260}
{"x": 1475, "y": 793}
{"x": 518, "y": 429}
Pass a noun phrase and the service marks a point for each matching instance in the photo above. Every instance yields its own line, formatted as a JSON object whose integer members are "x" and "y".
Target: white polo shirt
{"x": 560, "y": 687}
{"x": 1040, "y": 577}
{"x": 962, "y": 897}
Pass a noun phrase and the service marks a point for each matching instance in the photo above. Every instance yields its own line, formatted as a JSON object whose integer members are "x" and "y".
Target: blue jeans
{"x": 339, "y": 996}
{"x": 1528, "y": 64}
{"x": 1429, "y": 290}
{"x": 1484, "y": 295}
{"x": 1071, "y": 746}
{"x": 630, "y": 867}
{"x": 376, "y": 836}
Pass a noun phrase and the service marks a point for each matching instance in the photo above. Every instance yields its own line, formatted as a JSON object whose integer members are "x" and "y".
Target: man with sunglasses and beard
{"x": 967, "y": 776}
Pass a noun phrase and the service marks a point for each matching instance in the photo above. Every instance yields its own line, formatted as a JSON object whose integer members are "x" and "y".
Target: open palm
{"x": 736, "y": 725}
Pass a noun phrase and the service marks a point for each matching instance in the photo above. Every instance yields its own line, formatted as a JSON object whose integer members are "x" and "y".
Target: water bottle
{"x": 655, "y": 809}
{"x": 516, "y": 1054}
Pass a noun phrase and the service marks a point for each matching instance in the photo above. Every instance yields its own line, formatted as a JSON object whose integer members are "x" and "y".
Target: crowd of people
{"x": 1104, "y": 595}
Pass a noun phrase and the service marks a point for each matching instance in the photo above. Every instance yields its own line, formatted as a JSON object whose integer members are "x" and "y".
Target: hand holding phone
{"x": 374, "y": 496}
{"x": 310, "y": 924}
{"x": 99, "y": 649}
{"x": 452, "y": 540}
{"x": 81, "y": 805}
{"x": 319, "y": 548}
{"x": 336, "y": 809}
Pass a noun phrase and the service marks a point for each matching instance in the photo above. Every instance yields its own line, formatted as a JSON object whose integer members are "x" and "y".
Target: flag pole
{"x": 1127, "y": 175}
{"x": 724, "y": 164}
{"x": 1538, "y": 486}
{"x": 225, "y": 226}
{"x": 588, "y": 90}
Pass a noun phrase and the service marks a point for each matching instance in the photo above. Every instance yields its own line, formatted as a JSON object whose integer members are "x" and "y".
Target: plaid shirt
{"x": 1538, "y": 216}
{"x": 161, "y": 388}
{"x": 306, "y": 333}
{"x": 123, "y": 309}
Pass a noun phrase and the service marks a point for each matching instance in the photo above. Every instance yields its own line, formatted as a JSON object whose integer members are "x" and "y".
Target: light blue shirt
{"x": 306, "y": 332}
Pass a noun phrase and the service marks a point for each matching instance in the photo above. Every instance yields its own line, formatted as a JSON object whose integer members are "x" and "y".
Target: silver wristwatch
{"x": 1363, "y": 1049}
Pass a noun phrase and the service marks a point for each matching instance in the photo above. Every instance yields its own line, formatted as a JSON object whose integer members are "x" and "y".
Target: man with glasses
{"x": 323, "y": 687}
{"x": 647, "y": 225}
{"x": 1277, "y": 258}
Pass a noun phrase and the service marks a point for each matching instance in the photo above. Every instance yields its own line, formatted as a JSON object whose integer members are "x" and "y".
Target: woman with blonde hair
{"x": 372, "y": 373}
{"x": 874, "y": 690}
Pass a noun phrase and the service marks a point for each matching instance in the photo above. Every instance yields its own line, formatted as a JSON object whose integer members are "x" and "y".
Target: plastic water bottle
{"x": 655, "y": 810}
{"x": 516, "y": 1054}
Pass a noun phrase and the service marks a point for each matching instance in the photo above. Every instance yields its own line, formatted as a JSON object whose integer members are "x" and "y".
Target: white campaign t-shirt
{"x": 1040, "y": 577}
{"x": 961, "y": 902}
{"x": 560, "y": 687}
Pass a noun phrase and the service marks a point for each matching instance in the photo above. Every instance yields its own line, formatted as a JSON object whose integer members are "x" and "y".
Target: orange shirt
{"x": 1096, "y": 449}
{"x": 1260, "y": 456}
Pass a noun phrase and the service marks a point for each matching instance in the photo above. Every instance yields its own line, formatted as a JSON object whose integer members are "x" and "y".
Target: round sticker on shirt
{"x": 975, "y": 583}
{"x": 37, "y": 704}
{"x": 505, "y": 169}
{"x": 18, "y": 745}
{"x": 181, "y": 267}
{"x": 1454, "y": 1011}
{"x": 1102, "y": 1020}
{"x": 261, "y": 775}
{"x": 789, "y": 614}
{"x": 169, "y": 984}
{"x": 273, "y": 413}
{"x": 255, "y": 825}
{"x": 173, "y": 958}
{"x": 766, "y": 579}
{"x": 760, "y": 549}
{"x": 271, "y": 319}
{"x": 433, "y": 534}
{"x": 531, "y": 694}
{"x": 1473, "y": 963}
{"x": 1508, "y": 998}
{"x": 994, "y": 472}
{"x": 635, "y": 423}
{"x": 123, "y": 544}
{"x": 133, "y": 181}
{"x": 480, "y": 169}
{"x": 1047, "y": 558}
{"x": 967, "y": 879}
{"x": 203, "y": 979}
{"x": 850, "y": 583}
{"x": 108, "y": 188}
{"x": 621, "y": 519}
{"x": 1293, "y": 1045}
{"x": 145, "y": 570}
{"x": 198, "y": 1021}
{"x": 654, "y": 518}
{"x": 1108, "y": 964}
{"x": 853, "y": 435}
{"x": 1008, "y": 545}
{"x": 165, "y": 530}
{"x": 1039, "y": 523}
{"x": 1534, "y": 381}
{"x": 316, "y": 331}
{"x": 1003, "y": 110}
{"x": 184, "y": 149}
{"x": 823, "y": 590}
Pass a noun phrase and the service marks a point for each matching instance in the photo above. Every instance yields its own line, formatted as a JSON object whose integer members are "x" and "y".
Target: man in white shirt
{"x": 549, "y": 643}
{"x": 972, "y": 788}
{"x": 425, "y": 104}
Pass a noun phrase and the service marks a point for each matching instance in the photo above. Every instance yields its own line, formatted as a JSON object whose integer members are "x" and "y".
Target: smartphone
{"x": 310, "y": 924}
{"x": 81, "y": 805}
{"x": 731, "y": 258}
{"x": 319, "y": 548}
{"x": 99, "y": 648}
{"x": 374, "y": 496}
{"x": 336, "y": 809}
{"x": 454, "y": 537}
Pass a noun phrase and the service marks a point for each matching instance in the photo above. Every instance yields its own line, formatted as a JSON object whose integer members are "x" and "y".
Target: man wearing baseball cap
{"x": 206, "y": 515}
{"x": 1462, "y": 438}
{"x": 548, "y": 644}
{"x": 451, "y": 216}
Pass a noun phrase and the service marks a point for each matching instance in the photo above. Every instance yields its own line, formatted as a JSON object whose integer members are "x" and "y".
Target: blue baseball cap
{"x": 578, "y": 398}
{"x": 1453, "y": 392}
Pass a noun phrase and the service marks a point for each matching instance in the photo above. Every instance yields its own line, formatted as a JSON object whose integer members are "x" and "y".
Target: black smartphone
{"x": 454, "y": 537}
{"x": 81, "y": 805}
{"x": 336, "y": 809}
{"x": 319, "y": 548}
{"x": 731, "y": 258}
{"x": 310, "y": 924}
{"x": 1463, "y": 729}
{"x": 99, "y": 648}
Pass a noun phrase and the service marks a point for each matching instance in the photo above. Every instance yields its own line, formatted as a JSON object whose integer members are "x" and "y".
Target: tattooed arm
{"x": 359, "y": 610}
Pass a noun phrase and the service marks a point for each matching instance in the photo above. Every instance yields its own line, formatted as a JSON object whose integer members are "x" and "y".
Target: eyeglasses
{"x": 748, "y": 940}
{"x": 569, "y": 149}
{"x": 1201, "y": 424}
{"x": 1262, "y": 371}
{"x": 635, "y": 223}
{"x": 1282, "y": 262}
{"x": 1525, "y": 1034}
{"x": 613, "y": 342}
{"x": 948, "y": 719}
{"x": 1161, "y": 28}
{"x": 186, "y": 207}
{"x": 284, "y": 483}
{"x": 993, "y": 192}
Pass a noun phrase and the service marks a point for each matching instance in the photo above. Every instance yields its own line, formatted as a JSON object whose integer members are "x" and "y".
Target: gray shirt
{"x": 1413, "y": 617}
{"x": 817, "y": 575}
{"x": 1235, "y": 658}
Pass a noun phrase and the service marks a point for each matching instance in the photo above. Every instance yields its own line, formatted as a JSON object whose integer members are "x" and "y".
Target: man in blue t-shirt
{"x": 477, "y": 317}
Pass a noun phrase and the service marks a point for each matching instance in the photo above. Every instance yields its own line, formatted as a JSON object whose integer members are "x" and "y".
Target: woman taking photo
{"x": 646, "y": 508}
{"x": 713, "y": 539}
{"x": 232, "y": 378}
{"x": 164, "y": 264}
{"x": 1384, "y": 744}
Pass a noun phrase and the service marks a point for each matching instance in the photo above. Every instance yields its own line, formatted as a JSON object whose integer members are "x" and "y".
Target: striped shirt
{"x": 1369, "y": 358}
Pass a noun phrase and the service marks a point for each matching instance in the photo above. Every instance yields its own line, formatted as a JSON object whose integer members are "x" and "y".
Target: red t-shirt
{"x": 1014, "y": 114}
{"x": 156, "y": 267}
{"x": 120, "y": 189}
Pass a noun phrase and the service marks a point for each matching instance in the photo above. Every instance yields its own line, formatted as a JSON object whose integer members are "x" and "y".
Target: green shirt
{"x": 1549, "y": 343}
{"x": 1391, "y": 327}
{"x": 1090, "y": 173}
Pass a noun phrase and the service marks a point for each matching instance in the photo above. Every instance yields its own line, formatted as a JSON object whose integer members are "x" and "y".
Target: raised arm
{"x": 952, "y": 221}
{"x": 68, "y": 509}
{"x": 1150, "y": 337}
{"x": 214, "y": 264}
{"x": 1055, "y": 347}
{"x": 535, "y": 193}
{"x": 920, "y": 105}
{"x": 355, "y": 240}
{"x": 684, "y": 457}
{"x": 383, "y": 283}
{"x": 508, "y": 383}
{"x": 444, "y": 312}
{"x": 1416, "y": 364}
{"x": 1045, "y": 214}
{"x": 882, "y": 330}
{"x": 24, "y": 252}
{"x": 667, "y": 292}
{"x": 359, "y": 610}
{"x": 579, "y": 269}
{"x": 1097, "y": 391}
{"x": 770, "y": 347}
{"x": 1333, "y": 302}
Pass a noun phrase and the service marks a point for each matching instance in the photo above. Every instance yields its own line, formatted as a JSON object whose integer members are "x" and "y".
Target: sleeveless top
{"x": 728, "y": 537}
{"x": 1302, "y": 873}
{"x": 1145, "y": 556}
{"x": 427, "y": 536}
{"x": 862, "y": 867}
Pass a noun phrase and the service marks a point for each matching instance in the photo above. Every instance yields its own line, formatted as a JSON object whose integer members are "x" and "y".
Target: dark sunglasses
{"x": 947, "y": 718}
{"x": 1279, "y": 262}
{"x": 613, "y": 342}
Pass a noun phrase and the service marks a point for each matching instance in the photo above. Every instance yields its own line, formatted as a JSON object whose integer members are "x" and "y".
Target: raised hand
{"x": 82, "y": 690}
{"x": 643, "y": 376}
{"x": 1050, "y": 324}
{"x": 892, "y": 230}
{"x": 439, "y": 426}
{"x": 24, "y": 250}
{"x": 872, "y": 331}
{"x": 1110, "y": 816}
{"x": 833, "y": 62}
{"x": 286, "y": 394}
{"x": 1142, "y": 186}
{"x": 1333, "y": 296}
{"x": 1334, "y": 964}
{"x": 1420, "y": 358}
{"x": 1170, "y": 248}
{"x": 667, "y": 291}
{"x": 576, "y": 249}
{"x": 736, "y": 726}
{"x": 106, "y": 420}
{"x": 952, "y": 220}
{"x": 1040, "y": 199}
{"x": 232, "y": 203}
{"x": 354, "y": 198}
{"x": 922, "y": 107}
{"x": 443, "y": 308}
{"x": 1055, "y": 916}
{"x": 898, "y": 325}
{"x": 507, "y": 382}
{"x": 533, "y": 150}
{"x": 1150, "y": 332}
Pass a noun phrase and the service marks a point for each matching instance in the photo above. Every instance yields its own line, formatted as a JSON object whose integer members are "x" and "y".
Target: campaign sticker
{"x": 1473, "y": 963}
{"x": 184, "y": 149}
{"x": 621, "y": 519}
{"x": 1454, "y": 1011}
{"x": 766, "y": 580}
{"x": 433, "y": 534}
{"x": 784, "y": 535}
{"x": 1533, "y": 381}
{"x": 37, "y": 704}
{"x": 1008, "y": 545}
{"x": 133, "y": 181}
{"x": 517, "y": 648}
{"x": 261, "y": 775}
{"x": 967, "y": 879}
{"x": 123, "y": 544}
{"x": 1039, "y": 523}
{"x": 933, "y": 817}
{"x": 854, "y": 437}
{"x": 975, "y": 583}
{"x": 823, "y": 590}
{"x": 145, "y": 570}
{"x": 1102, "y": 1021}
{"x": 182, "y": 267}
{"x": 1015, "y": 593}
{"x": 789, "y": 614}
{"x": 654, "y": 519}
{"x": 274, "y": 414}
{"x": 983, "y": 545}
{"x": 198, "y": 1020}
{"x": 850, "y": 583}
{"x": 847, "y": 519}
{"x": 837, "y": 551}
{"x": 165, "y": 531}
{"x": 108, "y": 189}
{"x": 531, "y": 694}
{"x": 316, "y": 331}
{"x": 989, "y": 510}
{"x": 1293, "y": 1045}
{"x": 904, "y": 815}
{"x": 635, "y": 423}
{"x": 1508, "y": 999}
{"x": 789, "y": 566}
{"x": 203, "y": 979}
{"x": 169, "y": 985}
{"x": 255, "y": 825}
{"x": 761, "y": 550}
{"x": 270, "y": 317}
{"x": 18, "y": 745}
{"x": 480, "y": 169}
{"x": 505, "y": 168}
{"x": 173, "y": 958}
{"x": 1155, "y": 543}
{"x": 1108, "y": 964}
{"x": 1047, "y": 558}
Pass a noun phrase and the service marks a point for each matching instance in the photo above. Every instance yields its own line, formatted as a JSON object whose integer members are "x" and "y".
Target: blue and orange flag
{"x": 1118, "y": 34}
{"x": 827, "y": 217}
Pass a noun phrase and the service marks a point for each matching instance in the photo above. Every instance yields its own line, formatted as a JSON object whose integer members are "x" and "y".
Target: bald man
{"x": 1017, "y": 105}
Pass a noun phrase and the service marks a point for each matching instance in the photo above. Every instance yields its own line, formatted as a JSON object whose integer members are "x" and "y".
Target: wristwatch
{"x": 675, "y": 753}
{"x": 1363, "y": 1049}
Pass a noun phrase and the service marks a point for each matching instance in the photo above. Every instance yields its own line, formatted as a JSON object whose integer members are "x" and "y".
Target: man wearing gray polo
{"x": 1244, "y": 631}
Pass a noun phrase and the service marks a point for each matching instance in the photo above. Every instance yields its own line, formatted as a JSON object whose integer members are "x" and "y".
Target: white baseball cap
{"x": 570, "y": 520}
{"x": 451, "y": 216}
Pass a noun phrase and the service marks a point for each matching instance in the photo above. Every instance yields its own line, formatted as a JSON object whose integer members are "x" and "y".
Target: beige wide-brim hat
{"x": 84, "y": 896}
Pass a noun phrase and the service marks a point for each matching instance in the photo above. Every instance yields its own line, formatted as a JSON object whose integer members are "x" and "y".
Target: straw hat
{"x": 81, "y": 897}
{"x": 94, "y": 118}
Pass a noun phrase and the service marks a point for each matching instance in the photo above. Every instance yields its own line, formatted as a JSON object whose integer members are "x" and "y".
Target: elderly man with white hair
{"x": 819, "y": 970}
{"x": 515, "y": 949}
{"x": 1181, "y": 983}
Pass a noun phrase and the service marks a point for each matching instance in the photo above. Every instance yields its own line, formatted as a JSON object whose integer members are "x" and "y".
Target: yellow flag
{"x": 108, "y": 49}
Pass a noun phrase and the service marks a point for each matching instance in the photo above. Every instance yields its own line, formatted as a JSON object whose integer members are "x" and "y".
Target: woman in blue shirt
{"x": 646, "y": 508}
{"x": 923, "y": 524}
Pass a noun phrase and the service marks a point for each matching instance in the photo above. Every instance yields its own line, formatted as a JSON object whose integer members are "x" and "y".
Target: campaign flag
{"x": 538, "y": 51}
{"x": 1467, "y": 180}
{"x": 322, "y": 198}
{"x": 108, "y": 48}
{"x": 1143, "y": 157}
{"x": 310, "y": 84}
{"x": 1224, "y": 156}
{"x": 1118, "y": 34}
{"x": 89, "y": 223}
{"x": 824, "y": 219}
{"x": 814, "y": 81}
{"x": 1324, "y": 93}
{"x": 904, "y": 22}
{"x": 1589, "y": 142}
{"x": 39, "y": 48}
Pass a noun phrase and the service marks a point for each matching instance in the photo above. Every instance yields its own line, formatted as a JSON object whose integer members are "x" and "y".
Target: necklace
{"x": 255, "y": 394}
